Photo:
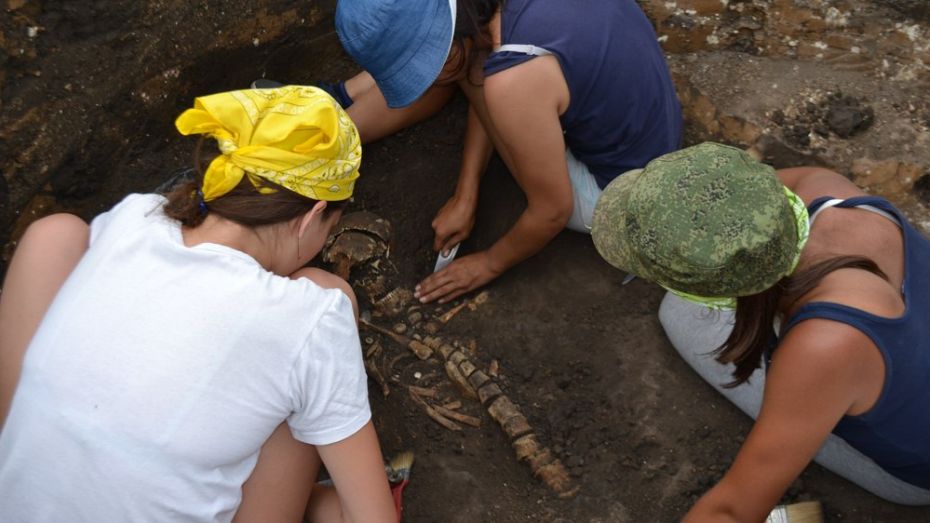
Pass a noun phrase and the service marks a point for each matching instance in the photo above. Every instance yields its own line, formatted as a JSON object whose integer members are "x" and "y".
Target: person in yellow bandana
{"x": 174, "y": 360}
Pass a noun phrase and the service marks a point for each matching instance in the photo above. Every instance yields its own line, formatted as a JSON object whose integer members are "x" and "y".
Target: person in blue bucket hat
{"x": 569, "y": 96}
{"x": 403, "y": 58}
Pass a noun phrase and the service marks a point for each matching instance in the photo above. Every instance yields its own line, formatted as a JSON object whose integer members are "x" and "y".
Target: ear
{"x": 315, "y": 213}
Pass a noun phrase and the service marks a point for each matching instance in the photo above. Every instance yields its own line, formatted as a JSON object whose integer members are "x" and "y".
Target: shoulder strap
{"x": 874, "y": 204}
{"x": 524, "y": 49}
{"x": 828, "y": 311}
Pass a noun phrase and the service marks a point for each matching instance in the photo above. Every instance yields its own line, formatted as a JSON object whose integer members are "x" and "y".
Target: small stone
{"x": 798, "y": 135}
{"x": 778, "y": 117}
{"x": 400, "y": 328}
{"x": 847, "y": 117}
{"x": 922, "y": 189}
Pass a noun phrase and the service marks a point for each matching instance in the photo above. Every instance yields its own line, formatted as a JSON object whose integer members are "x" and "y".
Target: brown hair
{"x": 752, "y": 331}
{"x": 244, "y": 204}
{"x": 471, "y": 20}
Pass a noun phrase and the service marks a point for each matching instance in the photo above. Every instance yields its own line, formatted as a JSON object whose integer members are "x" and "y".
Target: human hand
{"x": 462, "y": 275}
{"x": 453, "y": 223}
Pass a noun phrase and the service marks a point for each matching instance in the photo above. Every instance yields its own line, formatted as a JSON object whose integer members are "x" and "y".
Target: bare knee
{"x": 328, "y": 280}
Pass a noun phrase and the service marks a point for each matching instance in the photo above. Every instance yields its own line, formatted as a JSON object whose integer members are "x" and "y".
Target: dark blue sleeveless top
{"x": 623, "y": 110}
{"x": 895, "y": 433}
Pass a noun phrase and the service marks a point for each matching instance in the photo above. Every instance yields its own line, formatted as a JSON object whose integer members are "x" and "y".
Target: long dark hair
{"x": 244, "y": 204}
{"x": 471, "y": 21}
{"x": 752, "y": 331}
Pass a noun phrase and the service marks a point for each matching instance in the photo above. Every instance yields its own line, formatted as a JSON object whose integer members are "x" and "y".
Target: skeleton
{"x": 363, "y": 238}
{"x": 476, "y": 384}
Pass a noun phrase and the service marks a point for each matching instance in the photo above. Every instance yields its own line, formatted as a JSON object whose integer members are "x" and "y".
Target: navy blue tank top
{"x": 895, "y": 432}
{"x": 623, "y": 110}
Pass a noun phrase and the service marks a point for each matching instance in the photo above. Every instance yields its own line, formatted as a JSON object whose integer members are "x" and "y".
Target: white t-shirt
{"x": 160, "y": 370}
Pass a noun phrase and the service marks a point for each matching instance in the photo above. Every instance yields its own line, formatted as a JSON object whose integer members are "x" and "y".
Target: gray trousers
{"x": 695, "y": 331}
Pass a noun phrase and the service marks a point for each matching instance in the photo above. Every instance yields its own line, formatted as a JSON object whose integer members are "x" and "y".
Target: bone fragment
{"x": 372, "y": 368}
{"x": 449, "y": 314}
{"x": 458, "y": 416}
{"x": 556, "y": 477}
{"x": 420, "y": 349}
{"x": 516, "y": 426}
{"x": 393, "y": 361}
{"x": 374, "y": 348}
{"x": 525, "y": 446}
{"x": 488, "y": 392}
{"x": 494, "y": 369}
{"x": 433, "y": 414}
{"x": 342, "y": 267}
{"x": 542, "y": 457}
{"x": 423, "y": 391}
{"x": 467, "y": 368}
{"x": 457, "y": 357}
{"x": 456, "y": 376}
{"x": 478, "y": 300}
{"x": 478, "y": 379}
{"x": 446, "y": 350}
{"x": 452, "y": 405}
{"x": 502, "y": 409}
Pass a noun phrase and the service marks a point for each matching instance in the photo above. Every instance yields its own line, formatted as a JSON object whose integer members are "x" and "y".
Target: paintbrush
{"x": 399, "y": 476}
{"x": 804, "y": 512}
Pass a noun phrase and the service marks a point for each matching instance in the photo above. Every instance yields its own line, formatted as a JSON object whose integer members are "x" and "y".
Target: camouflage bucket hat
{"x": 708, "y": 220}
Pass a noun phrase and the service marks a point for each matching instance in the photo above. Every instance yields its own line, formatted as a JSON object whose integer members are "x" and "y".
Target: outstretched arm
{"x": 524, "y": 104}
{"x": 375, "y": 120}
{"x": 454, "y": 221}
{"x": 356, "y": 467}
{"x": 799, "y": 410}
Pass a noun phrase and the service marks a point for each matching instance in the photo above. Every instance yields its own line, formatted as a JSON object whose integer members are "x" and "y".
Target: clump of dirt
{"x": 846, "y": 115}
{"x": 819, "y": 115}
{"x": 922, "y": 189}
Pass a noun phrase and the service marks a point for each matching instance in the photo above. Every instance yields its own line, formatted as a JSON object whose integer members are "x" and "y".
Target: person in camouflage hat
{"x": 705, "y": 221}
{"x": 716, "y": 227}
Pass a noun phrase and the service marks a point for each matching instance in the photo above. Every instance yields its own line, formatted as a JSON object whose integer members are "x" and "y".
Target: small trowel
{"x": 445, "y": 259}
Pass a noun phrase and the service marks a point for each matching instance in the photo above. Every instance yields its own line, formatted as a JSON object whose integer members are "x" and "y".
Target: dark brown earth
{"x": 86, "y": 111}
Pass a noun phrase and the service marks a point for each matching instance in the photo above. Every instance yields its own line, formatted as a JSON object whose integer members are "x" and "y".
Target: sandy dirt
{"x": 85, "y": 118}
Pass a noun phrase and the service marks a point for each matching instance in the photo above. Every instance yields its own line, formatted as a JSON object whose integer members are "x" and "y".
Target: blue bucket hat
{"x": 403, "y": 44}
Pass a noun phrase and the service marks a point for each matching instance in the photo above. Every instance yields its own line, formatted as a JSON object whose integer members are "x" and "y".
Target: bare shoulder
{"x": 817, "y": 349}
{"x": 811, "y": 183}
{"x": 536, "y": 82}
{"x": 328, "y": 280}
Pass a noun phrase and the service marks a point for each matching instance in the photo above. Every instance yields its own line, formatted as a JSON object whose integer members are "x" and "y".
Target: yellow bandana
{"x": 297, "y": 137}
